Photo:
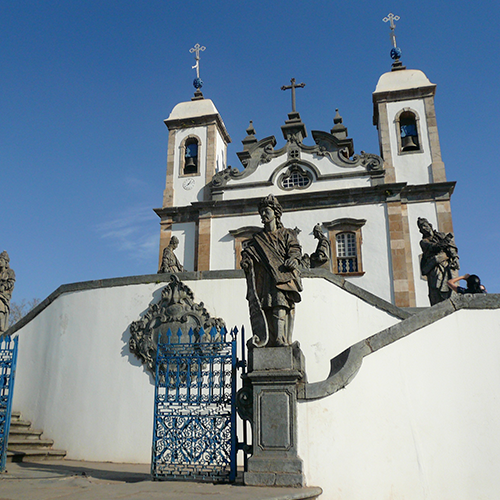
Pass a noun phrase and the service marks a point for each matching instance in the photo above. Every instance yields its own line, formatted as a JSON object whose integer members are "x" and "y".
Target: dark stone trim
{"x": 198, "y": 275}
{"x": 345, "y": 224}
{"x": 400, "y": 95}
{"x": 345, "y": 366}
{"x": 306, "y": 200}
{"x": 197, "y": 121}
{"x": 247, "y": 185}
{"x": 436, "y": 191}
{"x": 114, "y": 282}
{"x": 359, "y": 292}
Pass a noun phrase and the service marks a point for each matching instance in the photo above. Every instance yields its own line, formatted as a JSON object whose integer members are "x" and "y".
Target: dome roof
{"x": 191, "y": 109}
{"x": 401, "y": 80}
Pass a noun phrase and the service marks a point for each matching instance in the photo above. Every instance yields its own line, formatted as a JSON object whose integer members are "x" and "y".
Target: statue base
{"x": 275, "y": 374}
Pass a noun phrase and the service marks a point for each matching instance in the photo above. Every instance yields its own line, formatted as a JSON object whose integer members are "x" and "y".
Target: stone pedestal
{"x": 275, "y": 373}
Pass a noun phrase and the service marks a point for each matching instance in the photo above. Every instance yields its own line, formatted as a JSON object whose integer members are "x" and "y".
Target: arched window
{"x": 347, "y": 255}
{"x": 190, "y": 157}
{"x": 345, "y": 241}
{"x": 407, "y": 123}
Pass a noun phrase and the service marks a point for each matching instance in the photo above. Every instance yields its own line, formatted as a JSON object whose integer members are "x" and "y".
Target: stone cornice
{"x": 177, "y": 124}
{"x": 306, "y": 200}
{"x": 400, "y": 95}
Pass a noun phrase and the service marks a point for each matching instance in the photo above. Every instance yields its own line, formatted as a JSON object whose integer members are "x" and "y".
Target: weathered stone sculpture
{"x": 321, "y": 257}
{"x": 439, "y": 259}
{"x": 271, "y": 262}
{"x": 7, "y": 279}
{"x": 169, "y": 261}
{"x": 176, "y": 311}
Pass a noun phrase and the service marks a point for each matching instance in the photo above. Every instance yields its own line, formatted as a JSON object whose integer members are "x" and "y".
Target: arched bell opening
{"x": 191, "y": 156}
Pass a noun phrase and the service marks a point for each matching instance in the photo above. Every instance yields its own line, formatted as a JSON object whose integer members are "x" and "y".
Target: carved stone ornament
{"x": 176, "y": 311}
{"x": 7, "y": 280}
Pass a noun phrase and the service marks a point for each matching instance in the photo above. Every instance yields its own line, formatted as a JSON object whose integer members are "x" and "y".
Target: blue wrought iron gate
{"x": 8, "y": 359}
{"x": 194, "y": 433}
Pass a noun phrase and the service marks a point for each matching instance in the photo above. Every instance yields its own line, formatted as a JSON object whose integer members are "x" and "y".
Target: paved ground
{"x": 74, "y": 480}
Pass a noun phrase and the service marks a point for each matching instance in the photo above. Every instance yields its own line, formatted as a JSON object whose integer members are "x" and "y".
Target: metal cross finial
{"x": 197, "y": 48}
{"x": 391, "y": 17}
{"x": 293, "y": 86}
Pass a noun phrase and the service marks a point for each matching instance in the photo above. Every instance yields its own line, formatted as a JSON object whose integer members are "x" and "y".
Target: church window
{"x": 240, "y": 236}
{"x": 345, "y": 241}
{"x": 347, "y": 261}
{"x": 295, "y": 178}
{"x": 408, "y": 135}
{"x": 191, "y": 159}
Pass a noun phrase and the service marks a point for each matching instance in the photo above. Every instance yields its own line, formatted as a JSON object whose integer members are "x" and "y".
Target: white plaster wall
{"x": 183, "y": 197}
{"x": 328, "y": 320}
{"x": 412, "y": 168}
{"x": 375, "y": 250}
{"x": 419, "y": 421}
{"x": 186, "y": 233}
{"x": 77, "y": 380}
{"x": 426, "y": 210}
{"x": 316, "y": 186}
{"x": 221, "y": 154}
{"x": 267, "y": 170}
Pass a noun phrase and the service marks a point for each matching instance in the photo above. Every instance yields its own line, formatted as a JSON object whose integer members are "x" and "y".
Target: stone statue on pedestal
{"x": 271, "y": 261}
{"x": 321, "y": 257}
{"x": 439, "y": 260}
{"x": 169, "y": 262}
{"x": 7, "y": 279}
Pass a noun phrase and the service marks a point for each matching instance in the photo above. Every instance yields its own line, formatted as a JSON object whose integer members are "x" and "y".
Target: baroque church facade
{"x": 367, "y": 204}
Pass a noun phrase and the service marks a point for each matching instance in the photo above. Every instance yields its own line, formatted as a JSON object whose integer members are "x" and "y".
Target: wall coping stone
{"x": 201, "y": 275}
{"x": 345, "y": 366}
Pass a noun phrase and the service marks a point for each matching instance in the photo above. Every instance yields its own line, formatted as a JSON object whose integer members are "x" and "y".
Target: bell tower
{"x": 404, "y": 114}
{"x": 197, "y": 150}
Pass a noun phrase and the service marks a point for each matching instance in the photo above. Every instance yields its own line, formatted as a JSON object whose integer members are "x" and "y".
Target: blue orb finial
{"x": 396, "y": 53}
{"x": 197, "y": 83}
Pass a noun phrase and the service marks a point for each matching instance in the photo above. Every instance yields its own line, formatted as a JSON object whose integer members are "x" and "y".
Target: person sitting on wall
{"x": 473, "y": 284}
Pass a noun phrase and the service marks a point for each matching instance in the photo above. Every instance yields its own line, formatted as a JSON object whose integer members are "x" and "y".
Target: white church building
{"x": 368, "y": 204}
{"x": 414, "y": 413}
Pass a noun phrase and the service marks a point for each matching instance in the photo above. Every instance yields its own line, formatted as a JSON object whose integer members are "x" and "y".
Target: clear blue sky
{"x": 86, "y": 86}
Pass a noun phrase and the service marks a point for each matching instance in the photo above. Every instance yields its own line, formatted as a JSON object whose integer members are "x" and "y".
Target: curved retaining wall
{"x": 419, "y": 419}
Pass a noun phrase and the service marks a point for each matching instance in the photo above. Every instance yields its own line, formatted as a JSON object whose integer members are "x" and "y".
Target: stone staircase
{"x": 27, "y": 445}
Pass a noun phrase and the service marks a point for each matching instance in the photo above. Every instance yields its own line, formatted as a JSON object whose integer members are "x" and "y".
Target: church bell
{"x": 190, "y": 163}
{"x": 408, "y": 144}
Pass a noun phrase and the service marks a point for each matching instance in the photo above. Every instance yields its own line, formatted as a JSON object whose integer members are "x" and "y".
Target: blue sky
{"x": 86, "y": 86}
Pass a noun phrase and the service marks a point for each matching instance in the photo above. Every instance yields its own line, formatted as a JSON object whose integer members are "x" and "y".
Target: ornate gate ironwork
{"x": 194, "y": 433}
{"x": 8, "y": 359}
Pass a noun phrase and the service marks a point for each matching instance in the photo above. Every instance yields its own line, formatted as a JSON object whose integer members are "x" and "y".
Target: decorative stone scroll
{"x": 176, "y": 311}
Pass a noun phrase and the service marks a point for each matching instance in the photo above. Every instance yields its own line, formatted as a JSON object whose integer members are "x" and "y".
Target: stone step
{"x": 16, "y": 443}
{"x": 36, "y": 455}
{"x": 15, "y": 424}
{"x": 27, "y": 444}
{"x": 25, "y": 433}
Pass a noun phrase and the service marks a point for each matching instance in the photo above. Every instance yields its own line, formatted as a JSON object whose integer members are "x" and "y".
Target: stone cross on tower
{"x": 391, "y": 17}
{"x": 197, "y": 48}
{"x": 293, "y": 86}
{"x": 395, "y": 51}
